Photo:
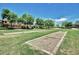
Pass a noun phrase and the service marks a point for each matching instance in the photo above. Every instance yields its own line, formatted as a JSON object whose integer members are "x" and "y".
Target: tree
{"x": 57, "y": 25}
{"x": 5, "y": 14}
{"x": 67, "y": 24}
{"x": 49, "y": 23}
{"x": 40, "y": 22}
{"x": 13, "y": 17}
{"x": 28, "y": 18}
{"x": 76, "y": 24}
{"x": 21, "y": 20}
{"x": 44, "y": 23}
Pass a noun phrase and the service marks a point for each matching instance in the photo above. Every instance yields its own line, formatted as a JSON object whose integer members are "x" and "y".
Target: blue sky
{"x": 55, "y": 11}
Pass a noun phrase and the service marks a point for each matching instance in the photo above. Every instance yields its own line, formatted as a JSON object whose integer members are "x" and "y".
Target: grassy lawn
{"x": 13, "y": 30}
{"x": 22, "y": 30}
{"x": 70, "y": 44}
{"x": 9, "y": 31}
{"x": 14, "y": 45}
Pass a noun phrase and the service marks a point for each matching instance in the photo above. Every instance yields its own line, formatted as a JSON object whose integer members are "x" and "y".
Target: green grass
{"x": 14, "y": 45}
{"x": 70, "y": 45}
{"x": 13, "y": 30}
{"x": 20, "y": 30}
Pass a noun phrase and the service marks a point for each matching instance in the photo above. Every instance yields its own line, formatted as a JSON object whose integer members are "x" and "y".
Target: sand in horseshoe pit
{"x": 47, "y": 42}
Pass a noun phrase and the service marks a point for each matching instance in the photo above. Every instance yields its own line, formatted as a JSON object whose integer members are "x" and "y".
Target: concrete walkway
{"x": 48, "y": 43}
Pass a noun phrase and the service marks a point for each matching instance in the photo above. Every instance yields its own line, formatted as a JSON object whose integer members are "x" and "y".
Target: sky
{"x": 56, "y": 11}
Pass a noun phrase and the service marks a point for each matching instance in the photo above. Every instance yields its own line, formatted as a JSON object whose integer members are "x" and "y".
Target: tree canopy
{"x": 28, "y": 18}
{"x": 67, "y": 24}
{"x": 39, "y": 21}
{"x": 13, "y": 17}
{"x": 5, "y": 13}
{"x": 49, "y": 23}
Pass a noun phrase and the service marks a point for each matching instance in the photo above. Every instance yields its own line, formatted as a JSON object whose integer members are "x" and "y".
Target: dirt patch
{"x": 47, "y": 43}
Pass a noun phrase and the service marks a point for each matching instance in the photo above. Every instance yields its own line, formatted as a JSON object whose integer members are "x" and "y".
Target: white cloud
{"x": 61, "y": 19}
